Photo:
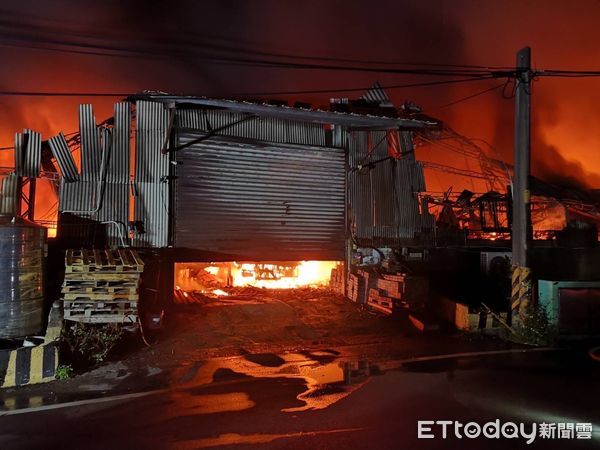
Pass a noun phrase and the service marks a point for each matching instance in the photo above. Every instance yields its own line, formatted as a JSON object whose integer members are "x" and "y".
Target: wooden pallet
{"x": 108, "y": 290}
{"x": 122, "y": 260}
{"x": 381, "y": 309}
{"x": 380, "y": 302}
{"x": 94, "y": 297}
{"x": 101, "y": 312}
{"x": 391, "y": 288}
{"x": 100, "y": 282}
{"x": 102, "y": 276}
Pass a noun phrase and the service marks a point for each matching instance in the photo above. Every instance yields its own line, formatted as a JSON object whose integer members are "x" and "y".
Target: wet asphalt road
{"x": 321, "y": 400}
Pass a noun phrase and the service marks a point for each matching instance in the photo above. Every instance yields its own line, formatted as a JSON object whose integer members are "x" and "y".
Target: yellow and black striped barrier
{"x": 35, "y": 364}
{"x": 28, "y": 365}
{"x": 521, "y": 288}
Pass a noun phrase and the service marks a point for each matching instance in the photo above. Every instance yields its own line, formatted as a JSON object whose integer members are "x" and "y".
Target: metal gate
{"x": 260, "y": 201}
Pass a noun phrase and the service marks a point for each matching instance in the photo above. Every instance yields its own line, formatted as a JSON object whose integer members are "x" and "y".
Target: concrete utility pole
{"x": 521, "y": 226}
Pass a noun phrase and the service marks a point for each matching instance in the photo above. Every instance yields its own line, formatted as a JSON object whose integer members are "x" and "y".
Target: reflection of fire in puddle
{"x": 326, "y": 383}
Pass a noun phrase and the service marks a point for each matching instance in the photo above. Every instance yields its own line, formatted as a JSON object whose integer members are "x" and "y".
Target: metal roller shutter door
{"x": 260, "y": 201}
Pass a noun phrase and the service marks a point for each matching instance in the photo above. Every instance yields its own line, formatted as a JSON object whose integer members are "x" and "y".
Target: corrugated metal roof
{"x": 287, "y": 112}
{"x": 376, "y": 94}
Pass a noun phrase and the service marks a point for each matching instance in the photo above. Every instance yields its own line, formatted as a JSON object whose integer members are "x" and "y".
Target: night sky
{"x": 121, "y": 46}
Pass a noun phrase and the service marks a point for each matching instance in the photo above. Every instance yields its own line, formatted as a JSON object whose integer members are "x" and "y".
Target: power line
{"x": 362, "y": 89}
{"x": 476, "y": 94}
{"x": 32, "y": 35}
{"x": 23, "y": 34}
{"x": 62, "y": 94}
{"x": 316, "y": 91}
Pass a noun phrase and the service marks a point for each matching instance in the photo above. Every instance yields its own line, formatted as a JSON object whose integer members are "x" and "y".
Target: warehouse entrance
{"x": 200, "y": 282}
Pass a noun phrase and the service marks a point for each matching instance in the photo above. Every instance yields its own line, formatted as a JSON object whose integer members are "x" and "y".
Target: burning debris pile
{"x": 487, "y": 216}
{"x": 223, "y": 279}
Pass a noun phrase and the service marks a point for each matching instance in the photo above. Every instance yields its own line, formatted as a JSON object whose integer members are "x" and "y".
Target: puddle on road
{"x": 211, "y": 403}
{"x": 327, "y": 378}
{"x": 252, "y": 439}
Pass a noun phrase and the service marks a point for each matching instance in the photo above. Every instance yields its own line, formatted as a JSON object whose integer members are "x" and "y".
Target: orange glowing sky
{"x": 563, "y": 35}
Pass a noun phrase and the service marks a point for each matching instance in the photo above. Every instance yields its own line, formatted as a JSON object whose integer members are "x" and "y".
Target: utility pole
{"x": 521, "y": 226}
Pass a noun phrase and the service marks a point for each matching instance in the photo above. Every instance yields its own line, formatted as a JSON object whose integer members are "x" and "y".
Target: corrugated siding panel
{"x": 8, "y": 195}
{"x": 79, "y": 200}
{"x": 115, "y": 199}
{"x": 77, "y": 228}
{"x": 384, "y": 205}
{"x": 91, "y": 154}
{"x": 20, "y": 151}
{"x": 261, "y": 201}
{"x": 118, "y": 167}
{"x": 28, "y": 153}
{"x": 61, "y": 152}
{"x": 151, "y": 175}
{"x": 257, "y": 128}
{"x": 102, "y": 195}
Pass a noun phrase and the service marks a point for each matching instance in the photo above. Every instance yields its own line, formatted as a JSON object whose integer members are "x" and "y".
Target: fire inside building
{"x": 180, "y": 200}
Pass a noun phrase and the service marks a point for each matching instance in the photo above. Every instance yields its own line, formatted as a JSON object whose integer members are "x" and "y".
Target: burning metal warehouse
{"x": 217, "y": 194}
{"x": 219, "y": 180}
{"x": 268, "y": 248}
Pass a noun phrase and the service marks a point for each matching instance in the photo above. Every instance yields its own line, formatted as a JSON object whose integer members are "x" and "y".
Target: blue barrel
{"x": 22, "y": 249}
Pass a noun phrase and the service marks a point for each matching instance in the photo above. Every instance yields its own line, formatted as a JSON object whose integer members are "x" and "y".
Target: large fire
{"x": 213, "y": 278}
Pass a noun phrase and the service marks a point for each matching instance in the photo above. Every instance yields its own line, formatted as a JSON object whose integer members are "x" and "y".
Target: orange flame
{"x": 282, "y": 276}
{"x": 212, "y": 278}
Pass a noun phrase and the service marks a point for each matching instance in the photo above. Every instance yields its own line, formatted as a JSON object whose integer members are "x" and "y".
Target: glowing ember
{"x": 213, "y": 270}
{"x": 282, "y": 275}
{"x": 210, "y": 278}
{"x": 220, "y": 292}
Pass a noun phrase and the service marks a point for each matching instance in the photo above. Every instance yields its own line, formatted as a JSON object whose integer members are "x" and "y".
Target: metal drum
{"x": 21, "y": 277}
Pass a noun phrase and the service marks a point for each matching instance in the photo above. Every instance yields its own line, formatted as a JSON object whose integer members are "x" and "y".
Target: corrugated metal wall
{"x": 383, "y": 200}
{"x": 101, "y": 193}
{"x": 8, "y": 194}
{"x": 259, "y": 128}
{"x": 61, "y": 152}
{"x": 28, "y": 154}
{"x": 254, "y": 186}
{"x": 151, "y": 187}
{"x": 259, "y": 200}
{"x": 114, "y": 210}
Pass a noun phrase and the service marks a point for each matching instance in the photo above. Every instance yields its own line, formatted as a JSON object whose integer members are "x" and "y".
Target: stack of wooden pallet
{"x": 391, "y": 285}
{"x": 356, "y": 288}
{"x": 101, "y": 286}
{"x": 380, "y": 302}
{"x": 393, "y": 292}
{"x": 369, "y": 281}
{"x": 336, "y": 282}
